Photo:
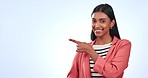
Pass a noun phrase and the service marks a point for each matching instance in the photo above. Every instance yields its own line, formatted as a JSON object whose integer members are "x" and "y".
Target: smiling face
{"x": 101, "y": 24}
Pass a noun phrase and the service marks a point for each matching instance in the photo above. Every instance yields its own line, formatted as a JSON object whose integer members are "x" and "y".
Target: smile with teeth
{"x": 98, "y": 30}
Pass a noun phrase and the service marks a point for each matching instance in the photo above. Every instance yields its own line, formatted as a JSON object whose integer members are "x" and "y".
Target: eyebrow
{"x": 99, "y": 19}
{"x": 102, "y": 19}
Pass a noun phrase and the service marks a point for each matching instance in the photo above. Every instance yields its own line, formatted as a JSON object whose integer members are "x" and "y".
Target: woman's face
{"x": 101, "y": 24}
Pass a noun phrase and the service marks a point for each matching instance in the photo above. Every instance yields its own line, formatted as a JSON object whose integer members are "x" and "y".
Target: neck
{"x": 103, "y": 40}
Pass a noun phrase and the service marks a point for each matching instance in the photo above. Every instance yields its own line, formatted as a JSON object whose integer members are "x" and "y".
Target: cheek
{"x": 106, "y": 26}
{"x": 93, "y": 26}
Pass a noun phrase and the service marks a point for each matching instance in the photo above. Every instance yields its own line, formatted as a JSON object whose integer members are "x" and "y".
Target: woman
{"x": 107, "y": 55}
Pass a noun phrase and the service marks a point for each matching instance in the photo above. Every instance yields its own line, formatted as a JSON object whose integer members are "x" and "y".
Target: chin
{"x": 98, "y": 35}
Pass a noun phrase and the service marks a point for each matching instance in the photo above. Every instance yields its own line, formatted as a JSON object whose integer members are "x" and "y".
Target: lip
{"x": 98, "y": 31}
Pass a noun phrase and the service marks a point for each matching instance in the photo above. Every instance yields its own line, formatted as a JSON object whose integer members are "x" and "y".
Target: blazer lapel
{"x": 111, "y": 50}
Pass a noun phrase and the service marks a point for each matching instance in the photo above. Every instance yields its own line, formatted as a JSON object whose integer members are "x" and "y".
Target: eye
{"x": 93, "y": 21}
{"x": 102, "y": 21}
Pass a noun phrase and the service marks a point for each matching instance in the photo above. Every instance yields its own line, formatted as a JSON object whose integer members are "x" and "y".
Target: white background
{"x": 34, "y": 35}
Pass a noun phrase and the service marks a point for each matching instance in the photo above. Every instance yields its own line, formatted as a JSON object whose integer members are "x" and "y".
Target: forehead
{"x": 99, "y": 15}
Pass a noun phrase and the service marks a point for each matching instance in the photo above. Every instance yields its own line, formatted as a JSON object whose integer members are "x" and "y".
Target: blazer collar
{"x": 115, "y": 40}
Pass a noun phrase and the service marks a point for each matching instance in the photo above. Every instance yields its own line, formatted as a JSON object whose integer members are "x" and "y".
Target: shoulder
{"x": 122, "y": 43}
{"x": 117, "y": 41}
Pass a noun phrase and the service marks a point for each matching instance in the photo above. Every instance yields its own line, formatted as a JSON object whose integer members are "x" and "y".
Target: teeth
{"x": 98, "y": 30}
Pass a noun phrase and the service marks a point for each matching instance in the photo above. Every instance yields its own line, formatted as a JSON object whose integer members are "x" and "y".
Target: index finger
{"x": 75, "y": 41}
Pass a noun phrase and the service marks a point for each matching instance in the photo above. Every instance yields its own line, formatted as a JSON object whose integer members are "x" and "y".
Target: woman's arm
{"x": 113, "y": 68}
{"x": 74, "y": 72}
{"x": 118, "y": 64}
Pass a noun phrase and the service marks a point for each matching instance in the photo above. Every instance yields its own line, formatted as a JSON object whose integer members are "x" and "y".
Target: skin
{"x": 101, "y": 25}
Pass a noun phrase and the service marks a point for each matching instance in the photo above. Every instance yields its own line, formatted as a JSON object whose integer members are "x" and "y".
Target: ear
{"x": 112, "y": 23}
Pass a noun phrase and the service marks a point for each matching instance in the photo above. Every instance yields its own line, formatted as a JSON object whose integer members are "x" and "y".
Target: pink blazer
{"x": 112, "y": 66}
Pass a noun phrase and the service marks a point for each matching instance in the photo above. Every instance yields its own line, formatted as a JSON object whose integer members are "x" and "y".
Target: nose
{"x": 97, "y": 24}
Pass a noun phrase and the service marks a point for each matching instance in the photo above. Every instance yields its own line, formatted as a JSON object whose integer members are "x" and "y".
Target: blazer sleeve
{"x": 74, "y": 71}
{"x": 117, "y": 65}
